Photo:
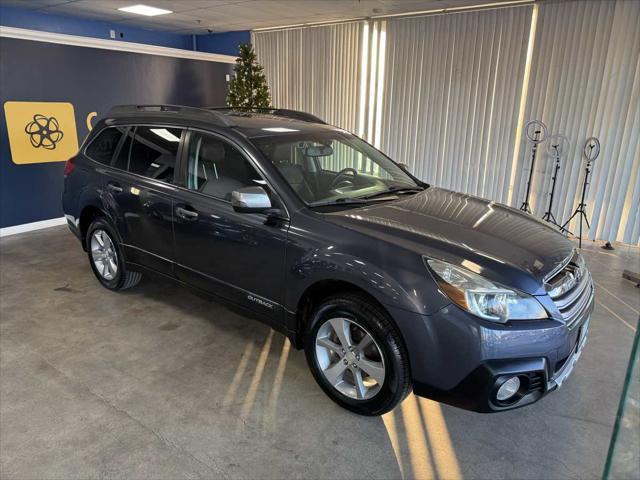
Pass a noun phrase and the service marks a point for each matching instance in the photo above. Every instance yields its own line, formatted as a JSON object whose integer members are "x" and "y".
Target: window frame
{"x": 178, "y": 177}
{"x": 115, "y": 151}
{"x": 256, "y": 140}
{"x": 245, "y": 154}
{"x": 182, "y": 160}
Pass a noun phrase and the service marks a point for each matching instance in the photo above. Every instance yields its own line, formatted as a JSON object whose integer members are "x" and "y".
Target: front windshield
{"x": 334, "y": 167}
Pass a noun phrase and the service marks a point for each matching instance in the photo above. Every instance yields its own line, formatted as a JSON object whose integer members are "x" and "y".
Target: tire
{"x": 108, "y": 255}
{"x": 384, "y": 356}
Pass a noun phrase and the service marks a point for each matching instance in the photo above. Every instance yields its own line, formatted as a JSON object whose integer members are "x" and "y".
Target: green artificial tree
{"x": 248, "y": 89}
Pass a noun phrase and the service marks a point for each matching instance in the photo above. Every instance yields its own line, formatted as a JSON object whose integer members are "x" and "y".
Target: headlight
{"x": 483, "y": 298}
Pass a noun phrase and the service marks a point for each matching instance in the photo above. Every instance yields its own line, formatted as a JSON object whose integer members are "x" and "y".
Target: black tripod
{"x": 591, "y": 152}
{"x": 548, "y": 215}
{"x": 536, "y": 132}
{"x": 580, "y": 209}
{"x": 525, "y": 207}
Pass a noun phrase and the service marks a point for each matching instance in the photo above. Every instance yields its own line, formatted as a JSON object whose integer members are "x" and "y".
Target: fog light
{"x": 508, "y": 389}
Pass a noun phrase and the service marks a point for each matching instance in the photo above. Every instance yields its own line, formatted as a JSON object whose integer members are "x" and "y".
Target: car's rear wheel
{"x": 356, "y": 355}
{"x": 106, "y": 257}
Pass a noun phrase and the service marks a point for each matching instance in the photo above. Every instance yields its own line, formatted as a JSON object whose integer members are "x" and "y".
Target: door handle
{"x": 186, "y": 214}
{"x": 114, "y": 187}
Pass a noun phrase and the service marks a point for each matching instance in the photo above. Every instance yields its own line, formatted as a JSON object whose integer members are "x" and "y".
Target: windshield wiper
{"x": 393, "y": 190}
{"x": 340, "y": 201}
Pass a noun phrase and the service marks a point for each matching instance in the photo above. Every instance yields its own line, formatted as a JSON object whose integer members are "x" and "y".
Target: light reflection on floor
{"x": 417, "y": 430}
{"x": 420, "y": 440}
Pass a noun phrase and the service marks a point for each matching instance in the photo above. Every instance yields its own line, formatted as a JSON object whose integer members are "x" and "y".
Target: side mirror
{"x": 250, "y": 200}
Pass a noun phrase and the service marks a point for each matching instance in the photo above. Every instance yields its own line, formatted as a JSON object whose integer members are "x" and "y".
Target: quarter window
{"x": 101, "y": 149}
{"x": 217, "y": 168}
{"x": 153, "y": 152}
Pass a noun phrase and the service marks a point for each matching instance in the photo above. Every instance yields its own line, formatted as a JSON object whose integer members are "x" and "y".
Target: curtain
{"x": 449, "y": 95}
{"x": 314, "y": 69}
{"x": 585, "y": 81}
{"x": 452, "y": 89}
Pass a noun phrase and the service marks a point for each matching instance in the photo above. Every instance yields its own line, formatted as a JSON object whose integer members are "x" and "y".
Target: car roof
{"x": 255, "y": 125}
{"x": 250, "y": 122}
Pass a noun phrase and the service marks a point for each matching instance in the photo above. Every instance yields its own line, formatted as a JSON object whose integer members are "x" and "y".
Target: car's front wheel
{"x": 106, "y": 257}
{"x": 356, "y": 355}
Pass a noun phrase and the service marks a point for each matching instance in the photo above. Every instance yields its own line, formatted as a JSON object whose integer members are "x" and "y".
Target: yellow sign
{"x": 41, "y": 131}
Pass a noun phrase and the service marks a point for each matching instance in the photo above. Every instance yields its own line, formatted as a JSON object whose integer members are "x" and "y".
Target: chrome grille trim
{"x": 566, "y": 300}
{"x": 575, "y": 314}
{"x": 561, "y": 266}
{"x": 573, "y": 302}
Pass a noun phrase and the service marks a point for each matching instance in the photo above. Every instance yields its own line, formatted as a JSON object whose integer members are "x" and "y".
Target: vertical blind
{"x": 453, "y": 83}
{"x": 314, "y": 69}
{"x": 585, "y": 81}
{"x": 448, "y": 94}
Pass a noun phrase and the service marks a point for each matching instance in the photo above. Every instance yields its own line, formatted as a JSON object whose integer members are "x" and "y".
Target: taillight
{"x": 69, "y": 167}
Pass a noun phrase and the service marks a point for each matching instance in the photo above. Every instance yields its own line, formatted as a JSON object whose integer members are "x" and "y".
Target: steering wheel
{"x": 342, "y": 173}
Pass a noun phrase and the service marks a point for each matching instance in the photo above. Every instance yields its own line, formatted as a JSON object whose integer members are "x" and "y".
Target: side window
{"x": 217, "y": 168}
{"x": 102, "y": 147}
{"x": 153, "y": 152}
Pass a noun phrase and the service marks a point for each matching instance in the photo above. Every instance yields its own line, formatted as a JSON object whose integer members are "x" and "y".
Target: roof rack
{"x": 119, "y": 110}
{"x": 278, "y": 112}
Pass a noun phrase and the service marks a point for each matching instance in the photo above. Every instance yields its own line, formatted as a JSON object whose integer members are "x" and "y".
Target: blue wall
{"x": 225, "y": 43}
{"x": 89, "y": 81}
{"x": 205, "y": 82}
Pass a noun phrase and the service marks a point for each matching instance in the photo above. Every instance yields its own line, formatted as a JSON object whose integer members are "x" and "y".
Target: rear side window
{"x": 102, "y": 147}
{"x": 154, "y": 151}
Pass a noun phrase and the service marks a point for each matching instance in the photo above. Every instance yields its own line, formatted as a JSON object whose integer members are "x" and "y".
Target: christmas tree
{"x": 249, "y": 88}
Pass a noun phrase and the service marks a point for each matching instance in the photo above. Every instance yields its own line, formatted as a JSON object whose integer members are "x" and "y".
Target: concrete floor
{"x": 159, "y": 383}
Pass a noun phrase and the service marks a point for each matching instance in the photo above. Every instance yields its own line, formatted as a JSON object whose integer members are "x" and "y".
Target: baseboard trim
{"x": 30, "y": 227}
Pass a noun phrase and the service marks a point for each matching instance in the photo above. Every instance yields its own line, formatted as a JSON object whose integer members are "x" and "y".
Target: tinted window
{"x": 154, "y": 151}
{"x": 217, "y": 168}
{"x": 101, "y": 149}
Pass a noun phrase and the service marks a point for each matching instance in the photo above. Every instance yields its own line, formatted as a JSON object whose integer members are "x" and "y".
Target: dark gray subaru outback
{"x": 388, "y": 284}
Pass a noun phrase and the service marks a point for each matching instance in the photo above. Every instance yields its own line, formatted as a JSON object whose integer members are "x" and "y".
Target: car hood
{"x": 499, "y": 242}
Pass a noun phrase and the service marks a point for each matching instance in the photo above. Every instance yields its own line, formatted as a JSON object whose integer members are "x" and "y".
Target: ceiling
{"x": 201, "y": 16}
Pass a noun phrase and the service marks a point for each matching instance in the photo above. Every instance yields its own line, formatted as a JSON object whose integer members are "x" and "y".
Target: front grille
{"x": 571, "y": 289}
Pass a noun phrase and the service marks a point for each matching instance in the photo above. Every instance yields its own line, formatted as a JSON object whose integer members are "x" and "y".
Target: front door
{"x": 140, "y": 189}
{"x": 238, "y": 256}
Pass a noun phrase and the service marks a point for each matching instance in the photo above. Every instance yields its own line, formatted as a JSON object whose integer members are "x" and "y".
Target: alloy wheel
{"x": 104, "y": 255}
{"x": 349, "y": 358}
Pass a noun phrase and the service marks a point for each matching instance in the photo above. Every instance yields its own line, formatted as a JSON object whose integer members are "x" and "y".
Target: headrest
{"x": 281, "y": 153}
{"x": 292, "y": 173}
{"x": 212, "y": 150}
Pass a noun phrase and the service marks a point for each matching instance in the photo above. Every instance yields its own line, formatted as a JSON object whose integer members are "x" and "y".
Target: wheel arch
{"x": 88, "y": 214}
{"x": 318, "y": 291}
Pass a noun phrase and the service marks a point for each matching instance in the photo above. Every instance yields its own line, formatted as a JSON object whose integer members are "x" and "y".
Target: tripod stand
{"x": 536, "y": 132}
{"x": 580, "y": 211}
{"x": 558, "y": 148}
{"x": 591, "y": 152}
{"x": 548, "y": 215}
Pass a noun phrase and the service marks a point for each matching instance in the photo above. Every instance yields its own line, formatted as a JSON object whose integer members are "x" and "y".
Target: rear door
{"x": 239, "y": 256}
{"x": 140, "y": 187}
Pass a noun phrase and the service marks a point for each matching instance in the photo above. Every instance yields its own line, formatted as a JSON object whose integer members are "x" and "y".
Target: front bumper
{"x": 459, "y": 360}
